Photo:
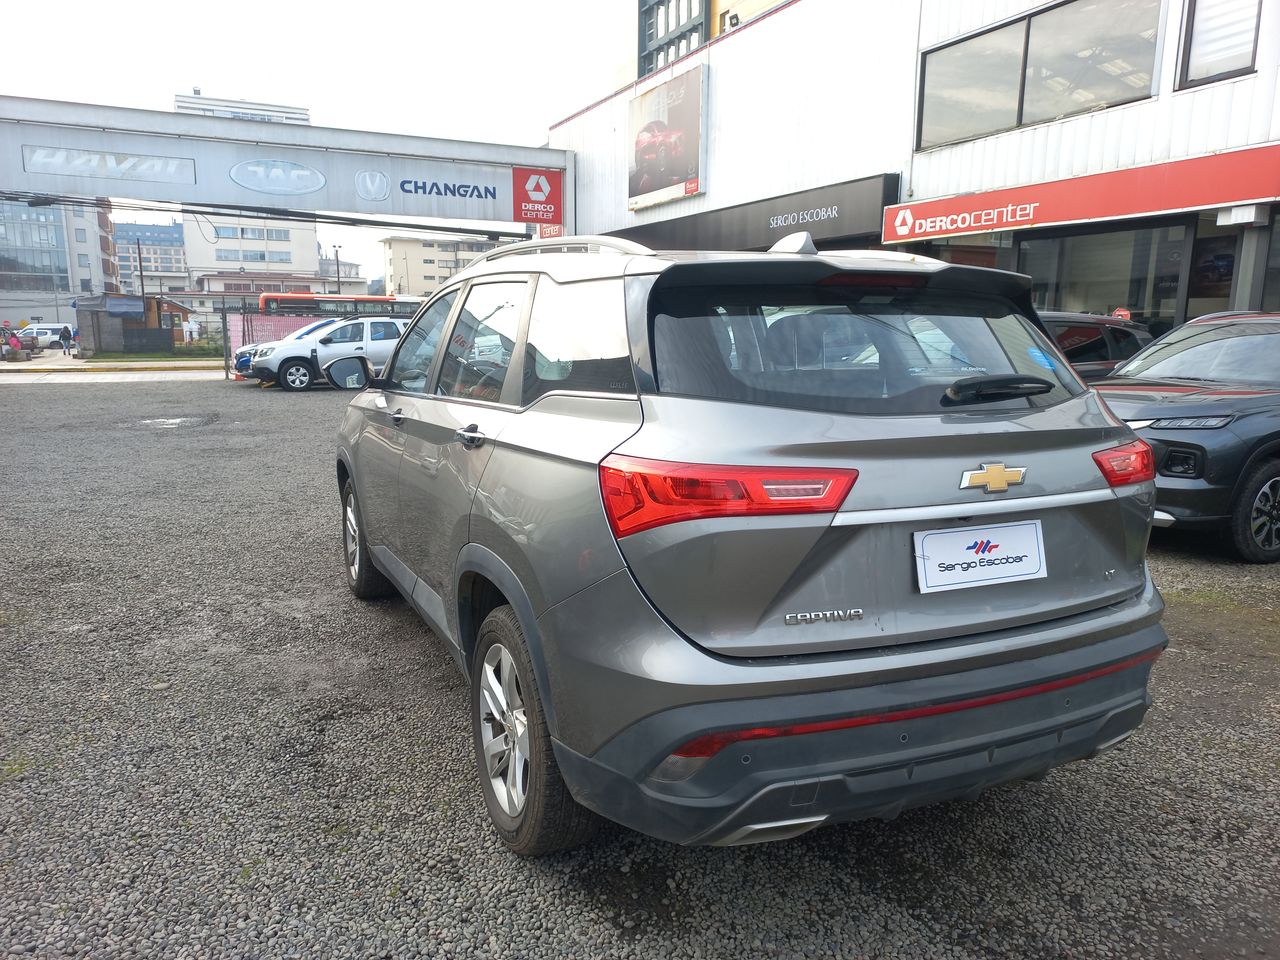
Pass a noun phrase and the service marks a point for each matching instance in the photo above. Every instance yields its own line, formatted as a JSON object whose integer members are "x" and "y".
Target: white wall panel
{"x": 1171, "y": 125}
{"x": 818, "y": 93}
{"x": 825, "y": 91}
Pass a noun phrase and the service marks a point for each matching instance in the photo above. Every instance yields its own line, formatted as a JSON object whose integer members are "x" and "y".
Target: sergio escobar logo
{"x": 906, "y": 222}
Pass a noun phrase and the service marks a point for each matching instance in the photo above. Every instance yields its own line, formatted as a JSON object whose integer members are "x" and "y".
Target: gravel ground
{"x": 209, "y": 749}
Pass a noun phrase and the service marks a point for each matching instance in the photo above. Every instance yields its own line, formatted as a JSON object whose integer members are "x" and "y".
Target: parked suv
{"x": 1095, "y": 345}
{"x": 295, "y": 361}
{"x": 734, "y": 545}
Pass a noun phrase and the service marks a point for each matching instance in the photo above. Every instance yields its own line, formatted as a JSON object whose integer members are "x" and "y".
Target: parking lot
{"x": 209, "y": 748}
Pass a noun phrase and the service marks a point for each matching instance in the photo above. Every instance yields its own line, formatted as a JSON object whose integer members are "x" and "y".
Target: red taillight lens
{"x": 1130, "y": 463}
{"x": 643, "y": 494}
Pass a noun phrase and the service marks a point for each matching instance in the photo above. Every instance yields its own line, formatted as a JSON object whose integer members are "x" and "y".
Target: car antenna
{"x": 799, "y": 242}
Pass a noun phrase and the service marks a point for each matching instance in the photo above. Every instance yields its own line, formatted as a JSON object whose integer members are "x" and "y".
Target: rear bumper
{"x": 770, "y": 789}
{"x": 623, "y": 700}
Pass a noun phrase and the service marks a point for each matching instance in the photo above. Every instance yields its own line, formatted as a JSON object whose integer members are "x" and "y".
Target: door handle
{"x": 469, "y": 436}
{"x": 360, "y": 348}
{"x": 397, "y": 415}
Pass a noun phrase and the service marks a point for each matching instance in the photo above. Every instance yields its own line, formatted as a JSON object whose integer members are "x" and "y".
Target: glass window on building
{"x": 82, "y": 259}
{"x": 1271, "y": 281}
{"x": 252, "y": 233}
{"x": 226, "y": 233}
{"x": 224, "y": 254}
{"x": 1213, "y": 266}
{"x": 253, "y": 255}
{"x": 971, "y": 87}
{"x": 86, "y": 286}
{"x": 1078, "y": 60}
{"x": 280, "y": 256}
{"x": 1220, "y": 41}
{"x": 1101, "y": 272}
{"x": 81, "y": 235}
{"x": 77, "y": 211}
{"x": 275, "y": 234}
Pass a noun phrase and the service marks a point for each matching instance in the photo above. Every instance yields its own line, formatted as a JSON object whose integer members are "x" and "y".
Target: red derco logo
{"x": 538, "y": 195}
{"x": 1225, "y": 179}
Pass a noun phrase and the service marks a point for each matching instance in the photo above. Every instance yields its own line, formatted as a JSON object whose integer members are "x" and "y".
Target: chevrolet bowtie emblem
{"x": 995, "y": 477}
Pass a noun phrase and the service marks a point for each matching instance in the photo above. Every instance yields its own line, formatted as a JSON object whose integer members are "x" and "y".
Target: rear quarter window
{"x": 854, "y": 350}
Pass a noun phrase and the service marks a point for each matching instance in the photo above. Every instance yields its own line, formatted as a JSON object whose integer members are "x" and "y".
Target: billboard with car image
{"x": 665, "y": 141}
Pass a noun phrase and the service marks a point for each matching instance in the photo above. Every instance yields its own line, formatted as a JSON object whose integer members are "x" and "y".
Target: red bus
{"x": 332, "y": 305}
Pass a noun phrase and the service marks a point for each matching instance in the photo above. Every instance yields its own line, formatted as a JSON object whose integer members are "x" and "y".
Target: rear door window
{"x": 1081, "y": 342}
{"x": 845, "y": 349}
{"x": 577, "y": 340}
{"x": 1124, "y": 343}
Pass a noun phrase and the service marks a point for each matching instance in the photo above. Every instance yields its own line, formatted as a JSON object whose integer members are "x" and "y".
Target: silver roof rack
{"x": 584, "y": 244}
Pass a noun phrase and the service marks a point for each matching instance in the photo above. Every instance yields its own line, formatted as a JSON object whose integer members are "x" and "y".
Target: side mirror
{"x": 326, "y": 340}
{"x": 349, "y": 373}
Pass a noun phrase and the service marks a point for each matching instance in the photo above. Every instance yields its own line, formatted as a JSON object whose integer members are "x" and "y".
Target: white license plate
{"x": 977, "y": 556}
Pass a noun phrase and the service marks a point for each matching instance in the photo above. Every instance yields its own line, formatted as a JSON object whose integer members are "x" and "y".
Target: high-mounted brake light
{"x": 855, "y": 279}
{"x": 1130, "y": 463}
{"x": 642, "y": 494}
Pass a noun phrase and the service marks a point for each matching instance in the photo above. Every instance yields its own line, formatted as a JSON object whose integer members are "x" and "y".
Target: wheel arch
{"x": 484, "y": 582}
{"x": 1268, "y": 449}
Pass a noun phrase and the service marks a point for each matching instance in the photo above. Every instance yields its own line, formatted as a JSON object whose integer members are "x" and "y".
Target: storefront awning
{"x": 1221, "y": 180}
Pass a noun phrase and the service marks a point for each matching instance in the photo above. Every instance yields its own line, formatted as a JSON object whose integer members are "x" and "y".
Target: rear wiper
{"x": 994, "y": 387}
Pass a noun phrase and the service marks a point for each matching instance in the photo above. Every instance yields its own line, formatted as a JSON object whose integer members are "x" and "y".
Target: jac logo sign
{"x": 281, "y": 178}
{"x": 539, "y": 195}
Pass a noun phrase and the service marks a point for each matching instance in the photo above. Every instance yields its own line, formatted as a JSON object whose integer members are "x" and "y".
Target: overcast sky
{"x": 495, "y": 70}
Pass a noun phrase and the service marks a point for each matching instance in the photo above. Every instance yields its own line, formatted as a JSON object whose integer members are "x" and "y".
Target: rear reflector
{"x": 1130, "y": 463}
{"x": 643, "y": 494}
{"x": 710, "y": 744}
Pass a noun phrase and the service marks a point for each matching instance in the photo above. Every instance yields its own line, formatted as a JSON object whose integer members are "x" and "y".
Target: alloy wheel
{"x": 351, "y": 536}
{"x": 504, "y": 730}
{"x": 1264, "y": 517}
{"x": 299, "y": 377}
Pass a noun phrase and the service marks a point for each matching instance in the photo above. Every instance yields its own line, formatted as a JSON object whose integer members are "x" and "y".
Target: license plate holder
{"x": 965, "y": 557}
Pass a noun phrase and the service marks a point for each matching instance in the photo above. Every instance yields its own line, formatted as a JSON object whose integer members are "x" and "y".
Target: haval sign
{"x": 1223, "y": 179}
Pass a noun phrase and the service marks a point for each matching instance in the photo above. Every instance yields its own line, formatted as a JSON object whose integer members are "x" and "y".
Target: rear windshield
{"x": 845, "y": 349}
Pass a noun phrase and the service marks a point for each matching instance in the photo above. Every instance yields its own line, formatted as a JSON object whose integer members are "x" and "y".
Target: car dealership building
{"x": 1124, "y": 153}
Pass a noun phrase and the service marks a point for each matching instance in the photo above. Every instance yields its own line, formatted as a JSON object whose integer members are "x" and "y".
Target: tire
{"x": 295, "y": 375}
{"x": 365, "y": 580}
{"x": 532, "y": 811}
{"x": 1255, "y": 518}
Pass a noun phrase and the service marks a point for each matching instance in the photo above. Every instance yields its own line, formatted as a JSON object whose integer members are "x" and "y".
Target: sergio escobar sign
{"x": 1224, "y": 179}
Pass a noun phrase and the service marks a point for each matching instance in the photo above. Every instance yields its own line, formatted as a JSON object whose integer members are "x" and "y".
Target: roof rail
{"x": 583, "y": 244}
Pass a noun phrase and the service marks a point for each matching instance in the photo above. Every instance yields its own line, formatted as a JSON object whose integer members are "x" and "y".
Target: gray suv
{"x": 734, "y": 545}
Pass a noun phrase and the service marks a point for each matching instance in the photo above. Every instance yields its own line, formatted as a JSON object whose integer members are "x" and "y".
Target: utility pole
{"x": 142, "y": 283}
{"x": 337, "y": 272}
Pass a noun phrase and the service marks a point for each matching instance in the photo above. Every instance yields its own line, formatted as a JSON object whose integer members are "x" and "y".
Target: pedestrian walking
{"x": 65, "y": 336}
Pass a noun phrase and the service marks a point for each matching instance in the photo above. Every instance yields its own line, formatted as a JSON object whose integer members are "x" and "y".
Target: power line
{"x": 269, "y": 213}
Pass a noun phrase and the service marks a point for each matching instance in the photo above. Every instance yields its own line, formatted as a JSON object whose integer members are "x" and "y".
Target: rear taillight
{"x": 643, "y": 494}
{"x": 1130, "y": 463}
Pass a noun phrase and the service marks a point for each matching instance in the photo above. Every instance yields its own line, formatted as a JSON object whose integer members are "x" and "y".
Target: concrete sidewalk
{"x": 53, "y": 361}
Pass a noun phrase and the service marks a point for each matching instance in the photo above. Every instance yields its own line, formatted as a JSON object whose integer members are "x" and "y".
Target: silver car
{"x": 734, "y": 545}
